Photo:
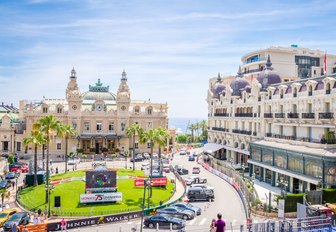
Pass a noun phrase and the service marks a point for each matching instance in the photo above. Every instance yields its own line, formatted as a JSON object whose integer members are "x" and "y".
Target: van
{"x": 200, "y": 194}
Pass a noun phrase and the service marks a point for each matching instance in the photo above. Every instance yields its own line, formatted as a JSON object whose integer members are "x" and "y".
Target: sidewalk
{"x": 263, "y": 190}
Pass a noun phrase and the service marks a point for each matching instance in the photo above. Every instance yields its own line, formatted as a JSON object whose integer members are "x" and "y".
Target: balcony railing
{"x": 294, "y": 94}
{"x": 244, "y": 132}
{"x": 293, "y": 115}
{"x": 221, "y": 115}
{"x": 268, "y": 115}
{"x": 326, "y": 115}
{"x": 308, "y": 115}
{"x": 302, "y": 139}
{"x": 259, "y": 99}
{"x": 220, "y": 129}
{"x": 254, "y": 133}
{"x": 243, "y": 114}
{"x": 279, "y": 115}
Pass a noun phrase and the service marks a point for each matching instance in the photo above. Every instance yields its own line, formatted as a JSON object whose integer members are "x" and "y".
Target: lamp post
{"x": 49, "y": 189}
{"x": 283, "y": 183}
{"x": 146, "y": 182}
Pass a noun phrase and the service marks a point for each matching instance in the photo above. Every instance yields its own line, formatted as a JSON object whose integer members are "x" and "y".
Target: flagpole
{"x": 325, "y": 64}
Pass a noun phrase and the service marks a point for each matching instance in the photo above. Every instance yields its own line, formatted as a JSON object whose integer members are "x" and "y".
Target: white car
{"x": 144, "y": 166}
{"x": 73, "y": 161}
{"x": 195, "y": 180}
{"x": 183, "y": 152}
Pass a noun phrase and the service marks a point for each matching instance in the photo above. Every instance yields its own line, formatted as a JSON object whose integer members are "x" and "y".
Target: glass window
{"x": 18, "y": 146}
{"x": 111, "y": 126}
{"x": 280, "y": 161}
{"x": 123, "y": 125}
{"x": 86, "y": 126}
{"x": 59, "y": 110}
{"x": 59, "y": 146}
{"x": 313, "y": 169}
{"x": 149, "y": 111}
{"x": 99, "y": 126}
{"x": 267, "y": 158}
{"x": 256, "y": 156}
{"x": 45, "y": 110}
{"x": 137, "y": 109}
{"x": 74, "y": 125}
{"x": 148, "y": 145}
{"x": 295, "y": 165}
{"x": 149, "y": 125}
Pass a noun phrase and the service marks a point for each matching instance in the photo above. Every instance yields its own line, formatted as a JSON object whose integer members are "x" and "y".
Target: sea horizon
{"x": 182, "y": 123}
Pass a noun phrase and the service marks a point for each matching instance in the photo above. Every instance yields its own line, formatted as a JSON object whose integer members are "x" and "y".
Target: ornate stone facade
{"x": 99, "y": 117}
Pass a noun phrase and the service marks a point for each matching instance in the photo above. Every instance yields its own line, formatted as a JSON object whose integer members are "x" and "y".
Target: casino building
{"x": 99, "y": 116}
{"x": 280, "y": 129}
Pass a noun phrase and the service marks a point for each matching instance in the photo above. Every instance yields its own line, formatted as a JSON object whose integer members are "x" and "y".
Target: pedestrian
{"x": 25, "y": 229}
{"x": 63, "y": 225}
{"x": 35, "y": 220}
{"x": 56, "y": 170}
{"x": 220, "y": 224}
{"x": 50, "y": 162}
{"x": 13, "y": 228}
{"x": 212, "y": 226}
{"x": 13, "y": 185}
{"x": 28, "y": 219}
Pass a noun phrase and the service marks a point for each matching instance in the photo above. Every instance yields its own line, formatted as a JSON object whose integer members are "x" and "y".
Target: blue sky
{"x": 169, "y": 48}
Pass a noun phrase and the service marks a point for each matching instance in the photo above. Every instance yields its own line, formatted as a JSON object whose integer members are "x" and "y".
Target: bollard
{"x": 171, "y": 227}
{"x": 120, "y": 230}
{"x": 241, "y": 228}
{"x": 157, "y": 227}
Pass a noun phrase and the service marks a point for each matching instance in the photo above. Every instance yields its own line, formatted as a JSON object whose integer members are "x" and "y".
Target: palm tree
{"x": 67, "y": 131}
{"x": 130, "y": 132}
{"x": 49, "y": 126}
{"x": 162, "y": 136}
{"x": 193, "y": 128}
{"x": 38, "y": 139}
{"x": 150, "y": 136}
{"x": 3, "y": 193}
{"x": 203, "y": 125}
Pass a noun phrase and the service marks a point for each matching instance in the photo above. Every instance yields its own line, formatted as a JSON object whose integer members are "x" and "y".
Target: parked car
{"x": 195, "y": 180}
{"x": 137, "y": 159}
{"x": 18, "y": 167}
{"x": 166, "y": 168}
{"x": 196, "y": 170}
{"x": 204, "y": 186}
{"x": 191, "y": 157}
{"x": 183, "y": 171}
{"x": 164, "y": 221}
{"x": 5, "y": 184}
{"x": 183, "y": 205}
{"x": 200, "y": 194}
{"x": 183, "y": 151}
{"x": 144, "y": 166}
{"x": 185, "y": 214}
{"x": 5, "y": 215}
{"x": 11, "y": 175}
{"x": 17, "y": 218}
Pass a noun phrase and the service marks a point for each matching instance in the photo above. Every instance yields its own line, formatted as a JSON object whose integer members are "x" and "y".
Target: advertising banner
{"x": 156, "y": 182}
{"x": 100, "y": 197}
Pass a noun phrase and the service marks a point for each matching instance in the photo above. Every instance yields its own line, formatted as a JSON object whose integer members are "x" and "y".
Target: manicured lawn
{"x": 34, "y": 197}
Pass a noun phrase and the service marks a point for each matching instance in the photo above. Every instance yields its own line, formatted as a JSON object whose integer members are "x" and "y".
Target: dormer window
{"x": 281, "y": 93}
{"x": 137, "y": 110}
{"x": 310, "y": 90}
{"x": 149, "y": 111}
{"x": 295, "y": 92}
{"x": 328, "y": 88}
{"x": 45, "y": 109}
{"x": 59, "y": 110}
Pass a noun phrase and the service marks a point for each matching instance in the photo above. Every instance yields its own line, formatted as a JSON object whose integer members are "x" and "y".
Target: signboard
{"x": 100, "y": 197}
{"x": 156, "y": 182}
{"x": 89, "y": 221}
{"x": 101, "y": 179}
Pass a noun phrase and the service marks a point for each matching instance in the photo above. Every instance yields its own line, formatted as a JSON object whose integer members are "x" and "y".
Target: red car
{"x": 18, "y": 167}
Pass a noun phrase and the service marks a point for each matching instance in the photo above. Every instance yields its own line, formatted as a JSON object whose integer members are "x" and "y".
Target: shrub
{"x": 79, "y": 150}
{"x": 291, "y": 201}
{"x": 329, "y": 195}
{"x": 11, "y": 158}
{"x": 84, "y": 156}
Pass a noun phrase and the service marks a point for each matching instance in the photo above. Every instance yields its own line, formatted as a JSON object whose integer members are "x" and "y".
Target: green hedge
{"x": 291, "y": 200}
{"x": 329, "y": 195}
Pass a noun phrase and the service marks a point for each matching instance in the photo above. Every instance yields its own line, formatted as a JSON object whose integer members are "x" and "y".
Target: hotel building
{"x": 280, "y": 129}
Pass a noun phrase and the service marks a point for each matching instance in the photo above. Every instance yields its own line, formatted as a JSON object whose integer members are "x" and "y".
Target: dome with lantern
{"x": 239, "y": 84}
{"x": 218, "y": 88}
{"x": 268, "y": 76}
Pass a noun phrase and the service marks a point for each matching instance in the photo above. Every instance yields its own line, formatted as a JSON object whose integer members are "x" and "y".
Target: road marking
{"x": 192, "y": 221}
{"x": 203, "y": 221}
{"x": 129, "y": 223}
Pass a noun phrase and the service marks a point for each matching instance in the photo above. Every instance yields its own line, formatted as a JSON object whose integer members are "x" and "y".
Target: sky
{"x": 168, "y": 48}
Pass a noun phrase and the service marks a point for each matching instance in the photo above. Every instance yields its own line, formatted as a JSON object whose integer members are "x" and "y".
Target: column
{"x": 290, "y": 184}
{"x": 273, "y": 178}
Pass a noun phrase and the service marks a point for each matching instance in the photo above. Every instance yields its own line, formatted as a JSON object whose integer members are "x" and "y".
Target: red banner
{"x": 156, "y": 182}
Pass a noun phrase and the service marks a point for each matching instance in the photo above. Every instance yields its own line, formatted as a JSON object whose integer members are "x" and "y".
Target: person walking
{"x": 212, "y": 226}
{"x": 220, "y": 224}
{"x": 63, "y": 225}
{"x": 13, "y": 228}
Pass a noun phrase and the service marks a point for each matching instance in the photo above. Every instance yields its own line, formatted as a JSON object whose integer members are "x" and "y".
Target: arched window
{"x": 310, "y": 90}
{"x": 328, "y": 88}
{"x": 149, "y": 110}
{"x": 281, "y": 93}
{"x": 295, "y": 92}
{"x": 137, "y": 109}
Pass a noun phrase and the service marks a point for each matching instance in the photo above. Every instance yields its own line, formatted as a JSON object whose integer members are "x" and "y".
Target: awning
{"x": 101, "y": 136}
{"x": 212, "y": 147}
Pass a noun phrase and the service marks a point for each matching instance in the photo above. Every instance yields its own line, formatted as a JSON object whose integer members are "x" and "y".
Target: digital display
{"x": 101, "y": 179}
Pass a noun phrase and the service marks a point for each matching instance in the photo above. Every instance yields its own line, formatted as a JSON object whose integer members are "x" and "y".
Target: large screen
{"x": 98, "y": 179}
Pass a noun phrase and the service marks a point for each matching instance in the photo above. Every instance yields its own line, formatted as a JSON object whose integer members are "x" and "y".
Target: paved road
{"x": 227, "y": 202}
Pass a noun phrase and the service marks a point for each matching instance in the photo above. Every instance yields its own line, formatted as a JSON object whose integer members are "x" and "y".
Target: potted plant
{"x": 92, "y": 151}
{"x": 80, "y": 151}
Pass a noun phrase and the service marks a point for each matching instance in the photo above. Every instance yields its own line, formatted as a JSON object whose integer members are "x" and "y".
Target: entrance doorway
{"x": 296, "y": 185}
{"x": 97, "y": 148}
{"x": 5, "y": 146}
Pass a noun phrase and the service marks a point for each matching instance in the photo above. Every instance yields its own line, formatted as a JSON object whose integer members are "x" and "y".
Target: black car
{"x": 185, "y": 214}
{"x": 5, "y": 184}
{"x": 11, "y": 175}
{"x": 164, "y": 221}
{"x": 182, "y": 171}
{"x": 137, "y": 159}
{"x": 18, "y": 219}
{"x": 200, "y": 194}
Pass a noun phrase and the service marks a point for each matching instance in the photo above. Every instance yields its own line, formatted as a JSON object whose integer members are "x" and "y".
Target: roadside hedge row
{"x": 329, "y": 195}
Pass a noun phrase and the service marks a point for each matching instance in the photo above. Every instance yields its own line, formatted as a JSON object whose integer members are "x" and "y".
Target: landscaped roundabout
{"x": 71, "y": 185}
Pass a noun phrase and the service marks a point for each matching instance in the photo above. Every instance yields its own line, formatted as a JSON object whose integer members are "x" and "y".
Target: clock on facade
{"x": 74, "y": 107}
{"x": 99, "y": 107}
{"x": 123, "y": 108}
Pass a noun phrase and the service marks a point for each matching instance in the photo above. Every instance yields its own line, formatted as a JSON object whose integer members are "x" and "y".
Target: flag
{"x": 325, "y": 64}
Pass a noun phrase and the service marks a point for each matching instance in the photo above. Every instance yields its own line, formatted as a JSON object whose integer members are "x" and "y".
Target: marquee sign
{"x": 101, "y": 197}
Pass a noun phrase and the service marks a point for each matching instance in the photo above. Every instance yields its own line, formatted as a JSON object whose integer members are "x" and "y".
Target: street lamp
{"x": 283, "y": 183}
{"x": 50, "y": 188}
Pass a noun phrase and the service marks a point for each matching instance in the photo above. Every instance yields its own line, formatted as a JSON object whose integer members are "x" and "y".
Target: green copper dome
{"x": 99, "y": 92}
